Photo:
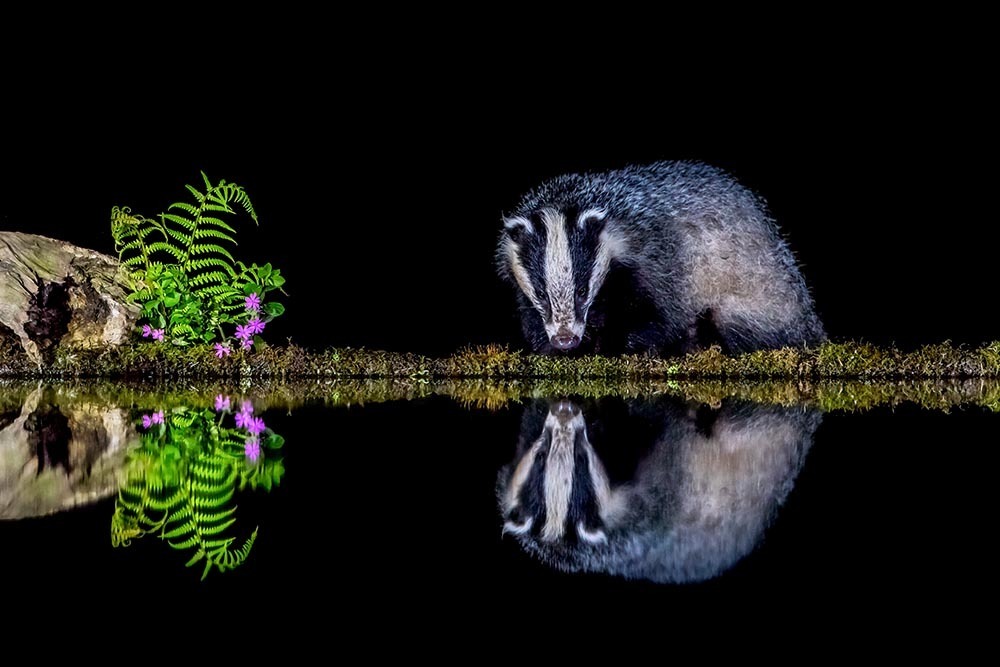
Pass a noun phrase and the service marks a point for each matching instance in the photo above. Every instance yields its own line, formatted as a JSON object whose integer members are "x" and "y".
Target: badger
{"x": 662, "y": 258}
{"x": 685, "y": 494}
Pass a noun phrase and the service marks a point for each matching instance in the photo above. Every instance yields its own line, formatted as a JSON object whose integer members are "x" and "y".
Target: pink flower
{"x": 147, "y": 331}
{"x": 157, "y": 334}
{"x": 221, "y": 403}
{"x": 246, "y": 344}
{"x": 252, "y": 449}
{"x": 222, "y": 350}
{"x": 246, "y": 407}
{"x": 253, "y": 302}
{"x": 147, "y": 421}
{"x": 256, "y": 325}
{"x": 243, "y": 332}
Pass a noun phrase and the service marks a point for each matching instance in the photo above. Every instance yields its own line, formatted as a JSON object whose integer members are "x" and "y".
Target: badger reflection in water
{"x": 682, "y": 493}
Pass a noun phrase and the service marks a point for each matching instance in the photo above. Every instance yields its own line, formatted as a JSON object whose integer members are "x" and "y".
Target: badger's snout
{"x": 564, "y": 340}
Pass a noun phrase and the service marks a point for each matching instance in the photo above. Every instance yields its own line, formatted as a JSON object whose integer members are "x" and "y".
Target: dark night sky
{"x": 380, "y": 199}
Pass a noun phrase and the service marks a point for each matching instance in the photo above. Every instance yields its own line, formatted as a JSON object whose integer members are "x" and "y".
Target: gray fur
{"x": 697, "y": 245}
{"x": 697, "y": 503}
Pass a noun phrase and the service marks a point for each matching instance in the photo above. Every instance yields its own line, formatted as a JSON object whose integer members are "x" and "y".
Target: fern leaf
{"x": 184, "y": 206}
{"x": 218, "y": 222}
{"x": 214, "y": 291}
{"x": 199, "y": 197}
{"x": 206, "y": 248}
{"x": 217, "y": 208}
{"x": 181, "y": 530}
{"x": 205, "y": 262}
{"x": 167, "y": 248}
{"x": 215, "y": 530}
{"x": 180, "y": 220}
{"x": 210, "y": 518}
{"x": 207, "y": 278}
{"x": 205, "y": 232}
{"x": 216, "y": 547}
{"x": 184, "y": 239}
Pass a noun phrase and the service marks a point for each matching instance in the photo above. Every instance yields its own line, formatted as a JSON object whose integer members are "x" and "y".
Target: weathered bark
{"x": 54, "y": 293}
{"x": 55, "y": 457}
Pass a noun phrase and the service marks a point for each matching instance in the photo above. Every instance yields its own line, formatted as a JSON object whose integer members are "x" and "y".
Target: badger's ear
{"x": 518, "y": 228}
{"x": 591, "y": 219}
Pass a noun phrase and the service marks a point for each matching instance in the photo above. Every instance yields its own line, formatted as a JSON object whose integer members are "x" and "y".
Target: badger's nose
{"x": 564, "y": 340}
{"x": 565, "y": 410}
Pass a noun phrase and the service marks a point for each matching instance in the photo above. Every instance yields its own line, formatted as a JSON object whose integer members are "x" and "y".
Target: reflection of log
{"x": 54, "y": 458}
{"x": 53, "y": 293}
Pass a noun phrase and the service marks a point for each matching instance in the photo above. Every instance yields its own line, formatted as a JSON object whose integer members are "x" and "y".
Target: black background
{"x": 380, "y": 174}
{"x": 380, "y": 191}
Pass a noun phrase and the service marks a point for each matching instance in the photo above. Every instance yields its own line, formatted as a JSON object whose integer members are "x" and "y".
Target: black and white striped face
{"x": 558, "y": 489}
{"x": 559, "y": 259}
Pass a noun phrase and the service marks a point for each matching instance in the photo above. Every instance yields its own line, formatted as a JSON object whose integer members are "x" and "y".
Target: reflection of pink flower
{"x": 255, "y": 425}
{"x": 222, "y": 350}
{"x": 157, "y": 334}
{"x": 245, "y": 416}
{"x": 221, "y": 403}
{"x": 147, "y": 331}
{"x": 252, "y": 449}
{"x": 253, "y": 302}
{"x": 155, "y": 418}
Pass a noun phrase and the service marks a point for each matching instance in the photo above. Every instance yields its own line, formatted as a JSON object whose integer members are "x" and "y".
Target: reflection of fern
{"x": 191, "y": 236}
{"x": 180, "y": 485}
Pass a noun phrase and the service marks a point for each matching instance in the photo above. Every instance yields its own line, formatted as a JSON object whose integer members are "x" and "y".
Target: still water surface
{"x": 489, "y": 506}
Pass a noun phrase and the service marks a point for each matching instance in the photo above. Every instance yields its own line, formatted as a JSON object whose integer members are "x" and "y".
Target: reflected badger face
{"x": 559, "y": 259}
{"x": 558, "y": 490}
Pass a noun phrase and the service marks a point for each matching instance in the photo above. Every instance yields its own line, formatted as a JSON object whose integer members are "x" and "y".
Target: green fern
{"x": 179, "y": 265}
{"x": 189, "y": 235}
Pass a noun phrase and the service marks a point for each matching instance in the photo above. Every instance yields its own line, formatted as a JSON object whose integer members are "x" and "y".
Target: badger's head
{"x": 559, "y": 259}
{"x": 557, "y": 490}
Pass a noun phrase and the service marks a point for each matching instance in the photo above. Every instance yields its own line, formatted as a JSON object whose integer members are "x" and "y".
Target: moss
{"x": 831, "y": 360}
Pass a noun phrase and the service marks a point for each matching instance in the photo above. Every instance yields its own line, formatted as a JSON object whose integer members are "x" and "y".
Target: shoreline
{"x": 848, "y": 360}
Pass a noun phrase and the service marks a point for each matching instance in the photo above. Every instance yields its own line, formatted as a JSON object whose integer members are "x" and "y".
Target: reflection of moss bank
{"x": 825, "y": 394}
{"x": 832, "y": 360}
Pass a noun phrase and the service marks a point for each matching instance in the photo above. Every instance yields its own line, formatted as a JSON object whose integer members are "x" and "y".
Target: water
{"x": 491, "y": 506}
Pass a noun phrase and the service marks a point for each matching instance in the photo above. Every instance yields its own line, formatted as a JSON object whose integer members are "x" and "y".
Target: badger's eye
{"x": 581, "y": 291}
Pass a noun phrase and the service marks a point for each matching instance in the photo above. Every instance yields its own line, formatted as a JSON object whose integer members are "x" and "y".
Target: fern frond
{"x": 215, "y": 291}
{"x": 215, "y": 233}
{"x": 206, "y": 248}
{"x": 218, "y": 222}
{"x": 182, "y": 529}
{"x": 133, "y": 261}
{"x": 184, "y": 206}
{"x": 181, "y": 237}
{"x": 167, "y": 248}
{"x": 205, "y": 262}
{"x": 218, "y": 528}
{"x": 181, "y": 220}
{"x": 186, "y": 544}
{"x": 208, "y": 278}
{"x": 199, "y": 197}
